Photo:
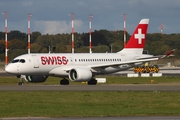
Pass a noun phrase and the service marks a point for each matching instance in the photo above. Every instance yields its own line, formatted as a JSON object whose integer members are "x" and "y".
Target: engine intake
{"x": 80, "y": 75}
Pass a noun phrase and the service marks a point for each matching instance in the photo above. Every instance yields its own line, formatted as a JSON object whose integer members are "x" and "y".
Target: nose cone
{"x": 10, "y": 69}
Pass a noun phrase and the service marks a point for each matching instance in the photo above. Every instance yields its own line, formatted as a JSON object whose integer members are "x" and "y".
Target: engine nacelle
{"x": 36, "y": 78}
{"x": 80, "y": 75}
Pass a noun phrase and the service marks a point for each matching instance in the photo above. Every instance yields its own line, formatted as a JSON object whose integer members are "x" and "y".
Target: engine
{"x": 80, "y": 75}
{"x": 36, "y": 78}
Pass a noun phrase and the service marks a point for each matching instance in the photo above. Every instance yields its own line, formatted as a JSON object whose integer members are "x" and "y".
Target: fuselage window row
{"x": 98, "y": 60}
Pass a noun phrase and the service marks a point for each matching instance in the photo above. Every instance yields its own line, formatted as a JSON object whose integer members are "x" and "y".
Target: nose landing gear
{"x": 21, "y": 77}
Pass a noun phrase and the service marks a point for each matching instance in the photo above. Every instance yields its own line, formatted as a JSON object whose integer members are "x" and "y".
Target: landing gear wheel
{"x": 21, "y": 83}
{"x": 92, "y": 82}
{"x": 20, "y": 80}
{"x": 64, "y": 82}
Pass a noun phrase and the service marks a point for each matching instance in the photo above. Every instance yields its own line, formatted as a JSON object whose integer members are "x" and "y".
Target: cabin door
{"x": 36, "y": 61}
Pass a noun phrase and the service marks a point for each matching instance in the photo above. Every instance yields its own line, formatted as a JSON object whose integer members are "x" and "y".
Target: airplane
{"x": 83, "y": 67}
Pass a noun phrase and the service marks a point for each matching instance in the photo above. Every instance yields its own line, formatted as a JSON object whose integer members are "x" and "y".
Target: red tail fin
{"x": 138, "y": 38}
{"x": 136, "y": 43}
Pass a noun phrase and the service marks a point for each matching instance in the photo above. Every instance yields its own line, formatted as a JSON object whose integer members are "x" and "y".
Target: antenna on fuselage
{"x": 49, "y": 49}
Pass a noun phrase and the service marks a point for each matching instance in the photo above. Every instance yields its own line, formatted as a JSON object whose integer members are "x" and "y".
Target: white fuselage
{"x": 58, "y": 64}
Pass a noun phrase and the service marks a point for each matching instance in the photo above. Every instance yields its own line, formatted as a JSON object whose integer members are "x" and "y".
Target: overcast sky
{"x": 52, "y": 16}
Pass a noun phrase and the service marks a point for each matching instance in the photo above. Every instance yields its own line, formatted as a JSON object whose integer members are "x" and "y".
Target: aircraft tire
{"x": 64, "y": 82}
{"x": 21, "y": 83}
{"x": 92, "y": 82}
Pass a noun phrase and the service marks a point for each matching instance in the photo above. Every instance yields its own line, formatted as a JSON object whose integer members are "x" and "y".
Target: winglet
{"x": 168, "y": 54}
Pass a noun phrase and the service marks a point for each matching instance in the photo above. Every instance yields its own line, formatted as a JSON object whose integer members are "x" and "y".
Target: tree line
{"x": 102, "y": 41}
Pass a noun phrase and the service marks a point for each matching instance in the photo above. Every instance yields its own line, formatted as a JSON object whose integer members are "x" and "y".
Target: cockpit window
{"x": 22, "y": 60}
{"x": 18, "y": 60}
{"x": 15, "y": 61}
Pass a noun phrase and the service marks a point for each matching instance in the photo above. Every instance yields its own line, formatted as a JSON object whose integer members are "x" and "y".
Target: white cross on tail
{"x": 139, "y": 36}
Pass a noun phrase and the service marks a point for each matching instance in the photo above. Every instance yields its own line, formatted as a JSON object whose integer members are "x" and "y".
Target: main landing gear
{"x": 92, "y": 82}
{"x": 64, "y": 81}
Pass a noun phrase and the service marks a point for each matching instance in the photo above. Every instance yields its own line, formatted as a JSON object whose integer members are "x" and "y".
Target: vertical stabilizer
{"x": 137, "y": 41}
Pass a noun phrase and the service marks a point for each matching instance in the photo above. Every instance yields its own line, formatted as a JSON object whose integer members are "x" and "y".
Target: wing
{"x": 159, "y": 56}
{"x": 133, "y": 62}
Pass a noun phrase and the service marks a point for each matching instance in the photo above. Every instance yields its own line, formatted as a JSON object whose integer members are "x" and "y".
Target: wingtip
{"x": 169, "y": 53}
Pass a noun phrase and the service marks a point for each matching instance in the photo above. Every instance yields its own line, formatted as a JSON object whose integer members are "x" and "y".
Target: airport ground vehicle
{"x": 146, "y": 69}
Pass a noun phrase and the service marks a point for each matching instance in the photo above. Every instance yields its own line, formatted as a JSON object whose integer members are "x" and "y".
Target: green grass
{"x": 80, "y": 104}
{"x": 109, "y": 80}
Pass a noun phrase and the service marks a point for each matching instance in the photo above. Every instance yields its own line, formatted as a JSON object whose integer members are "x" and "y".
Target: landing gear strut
{"x": 64, "y": 82}
{"x": 20, "y": 80}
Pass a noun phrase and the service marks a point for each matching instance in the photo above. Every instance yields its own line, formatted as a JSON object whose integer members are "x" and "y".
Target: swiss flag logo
{"x": 140, "y": 36}
{"x": 137, "y": 39}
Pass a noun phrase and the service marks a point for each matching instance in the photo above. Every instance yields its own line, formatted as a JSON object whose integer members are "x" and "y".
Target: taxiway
{"x": 123, "y": 87}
